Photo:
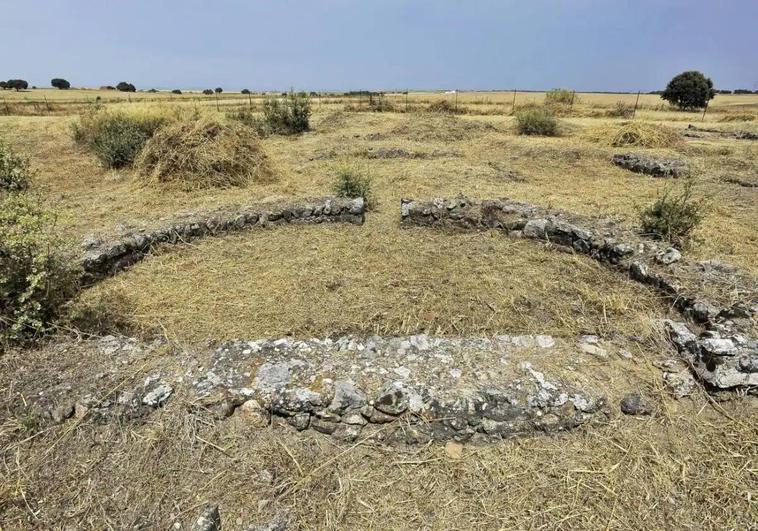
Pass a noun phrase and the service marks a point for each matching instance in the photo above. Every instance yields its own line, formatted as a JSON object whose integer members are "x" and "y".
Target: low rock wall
{"x": 649, "y": 263}
{"x": 105, "y": 258}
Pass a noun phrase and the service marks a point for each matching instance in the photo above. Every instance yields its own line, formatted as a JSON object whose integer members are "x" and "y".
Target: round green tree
{"x": 689, "y": 90}
{"x": 60, "y": 83}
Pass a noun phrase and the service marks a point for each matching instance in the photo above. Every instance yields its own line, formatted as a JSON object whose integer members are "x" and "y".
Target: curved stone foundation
{"x": 104, "y": 259}
{"x": 648, "y": 262}
{"x": 395, "y": 389}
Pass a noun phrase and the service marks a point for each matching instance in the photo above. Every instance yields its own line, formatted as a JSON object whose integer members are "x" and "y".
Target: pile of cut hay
{"x": 738, "y": 117}
{"x": 437, "y": 127}
{"x": 637, "y": 134}
{"x": 203, "y": 153}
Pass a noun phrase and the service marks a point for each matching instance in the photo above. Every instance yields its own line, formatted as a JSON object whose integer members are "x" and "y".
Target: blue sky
{"x": 611, "y": 45}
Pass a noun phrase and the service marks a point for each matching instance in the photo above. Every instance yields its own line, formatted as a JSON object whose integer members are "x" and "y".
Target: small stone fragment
{"x": 158, "y": 395}
{"x": 300, "y": 421}
{"x": 669, "y": 256}
{"x": 634, "y": 404}
{"x": 454, "y": 450}
{"x": 254, "y": 413}
{"x": 209, "y": 519}
{"x": 62, "y": 412}
{"x": 346, "y": 397}
{"x": 680, "y": 383}
{"x": 279, "y": 523}
{"x": 392, "y": 401}
{"x": 594, "y": 350}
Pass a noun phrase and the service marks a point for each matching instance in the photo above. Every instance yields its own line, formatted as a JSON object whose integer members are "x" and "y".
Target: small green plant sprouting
{"x": 351, "y": 182}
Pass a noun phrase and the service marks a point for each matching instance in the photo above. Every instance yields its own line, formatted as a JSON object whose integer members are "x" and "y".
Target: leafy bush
{"x": 208, "y": 92}
{"x": 116, "y": 138}
{"x": 621, "y": 110}
{"x": 246, "y": 91}
{"x": 673, "y": 217}
{"x": 537, "y": 121}
{"x": 689, "y": 90}
{"x": 218, "y": 90}
{"x": 60, "y": 83}
{"x": 176, "y": 91}
{"x": 288, "y": 116}
{"x": 560, "y": 96}
{"x": 126, "y": 87}
{"x": 14, "y": 170}
{"x": 352, "y": 183}
{"x": 36, "y": 276}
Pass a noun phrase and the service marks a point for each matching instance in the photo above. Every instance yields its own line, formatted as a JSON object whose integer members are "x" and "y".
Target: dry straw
{"x": 204, "y": 153}
{"x": 637, "y": 134}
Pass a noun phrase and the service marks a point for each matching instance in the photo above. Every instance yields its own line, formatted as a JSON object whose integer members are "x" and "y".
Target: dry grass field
{"x": 692, "y": 466}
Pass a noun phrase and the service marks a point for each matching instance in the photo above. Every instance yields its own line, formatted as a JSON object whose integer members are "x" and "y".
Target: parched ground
{"x": 690, "y": 465}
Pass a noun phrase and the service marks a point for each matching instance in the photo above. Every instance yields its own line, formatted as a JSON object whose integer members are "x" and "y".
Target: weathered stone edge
{"x": 396, "y": 412}
{"x": 105, "y": 259}
{"x": 736, "y": 352}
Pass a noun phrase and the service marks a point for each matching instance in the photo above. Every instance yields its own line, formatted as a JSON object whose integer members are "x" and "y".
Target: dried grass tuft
{"x": 637, "y": 134}
{"x": 430, "y": 127}
{"x": 204, "y": 153}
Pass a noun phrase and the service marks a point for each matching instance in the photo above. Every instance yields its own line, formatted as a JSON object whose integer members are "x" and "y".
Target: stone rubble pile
{"x": 396, "y": 389}
{"x": 427, "y": 388}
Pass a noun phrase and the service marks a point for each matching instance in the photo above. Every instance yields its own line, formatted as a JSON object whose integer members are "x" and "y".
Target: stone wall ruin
{"x": 105, "y": 258}
{"x": 724, "y": 354}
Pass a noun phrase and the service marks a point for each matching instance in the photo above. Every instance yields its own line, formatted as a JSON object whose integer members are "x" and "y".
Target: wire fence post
{"x": 456, "y": 100}
{"x": 513, "y": 105}
{"x": 406, "y": 101}
{"x": 634, "y": 112}
{"x": 704, "y": 111}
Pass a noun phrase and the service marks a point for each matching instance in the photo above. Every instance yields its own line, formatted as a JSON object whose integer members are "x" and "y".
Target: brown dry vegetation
{"x": 693, "y": 466}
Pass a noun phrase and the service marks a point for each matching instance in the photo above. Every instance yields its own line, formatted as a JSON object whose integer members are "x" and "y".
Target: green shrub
{"x": 621, "y": 110}
{"x": 116, "y": 138}
{"x": 673, "y": 217}
{"x": 536, "y": 121}
{"x": 350, "y": 182}
{"x": 14, "y": 170}
{"x": 288, "y": 116}
{"x": 560, "y": 96}
{"x": 36, "y": 277}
